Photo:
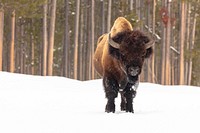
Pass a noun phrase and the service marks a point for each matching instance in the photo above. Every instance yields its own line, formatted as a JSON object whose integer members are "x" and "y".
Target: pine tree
{"x": 76, "y": 37}
{"x": 51, "y": 38}
{"x": 12, "y": 43}
{"x": 45, "y": 42}
{"x": 1, "y": 35}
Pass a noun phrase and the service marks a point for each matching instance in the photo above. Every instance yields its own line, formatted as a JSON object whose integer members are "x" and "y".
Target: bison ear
{"x": 114, "y": 52}
{"x": 149, "y": 52}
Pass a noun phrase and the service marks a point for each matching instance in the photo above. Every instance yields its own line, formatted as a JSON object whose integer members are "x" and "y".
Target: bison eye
{"x": 122, "y": 56}
{"x": 143, "y": 54}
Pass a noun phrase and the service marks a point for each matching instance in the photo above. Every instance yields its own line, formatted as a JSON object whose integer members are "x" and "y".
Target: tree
{"x": 182, "y": 41}
{"x": 109, "y": 15}
{"x": 92, "y": 38}
{"x": 51, "y": 38}
{"x": 66, "y": 42}
{"x": 32, "y": 51}
{"x": 153, "y": 32}
{"x": 45, "y": 42}
{"x": 12, "y": 43}
{"x": 1, "y": 35}
{"x": 192, "y": 42}
{"x": 163, "y": 61}
{"x": 76, "y": 37}
{"x": 21, "y": 45}
{"x": 167, "y": 46}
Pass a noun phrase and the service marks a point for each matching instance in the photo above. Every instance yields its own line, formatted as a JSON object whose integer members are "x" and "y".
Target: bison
{"x": 119, "y": 58}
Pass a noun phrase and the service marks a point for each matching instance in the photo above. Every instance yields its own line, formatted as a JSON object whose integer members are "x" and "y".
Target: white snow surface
{"x": 36, "y": 104}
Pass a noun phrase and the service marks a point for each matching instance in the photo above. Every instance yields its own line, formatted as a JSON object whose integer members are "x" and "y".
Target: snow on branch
{"x": 175, "y": 50}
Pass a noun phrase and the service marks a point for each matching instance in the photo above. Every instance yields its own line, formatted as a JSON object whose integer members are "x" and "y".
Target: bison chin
{"x": 132, "y": 79}
{"x": 133, "y": 74}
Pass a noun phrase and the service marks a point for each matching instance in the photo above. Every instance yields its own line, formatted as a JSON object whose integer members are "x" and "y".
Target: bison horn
{"x": 149, "y": 44}
{"x": 112, "y": 43}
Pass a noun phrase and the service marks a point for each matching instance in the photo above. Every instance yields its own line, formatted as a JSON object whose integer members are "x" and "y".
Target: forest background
{"x": 58, "y": 37}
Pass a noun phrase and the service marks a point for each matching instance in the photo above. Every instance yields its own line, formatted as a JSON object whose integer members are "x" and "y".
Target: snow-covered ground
{"x": 35, "y": 104}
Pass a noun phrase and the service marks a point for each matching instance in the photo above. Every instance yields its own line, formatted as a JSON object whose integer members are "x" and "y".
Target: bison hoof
{"x": 129, "y": 108}
{"x": 123, "y": 106}
{"x": 110, "y": 108}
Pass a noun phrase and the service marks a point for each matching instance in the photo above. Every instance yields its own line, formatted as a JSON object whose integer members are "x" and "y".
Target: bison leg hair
{"x": 123, "y": 101}
{"x": 127, "y": 99}
{"x": 111, "y": 91}
{"x": 110, "y": 106}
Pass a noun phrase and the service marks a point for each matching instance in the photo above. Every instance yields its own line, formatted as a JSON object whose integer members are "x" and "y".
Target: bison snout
{"x": 133, "y": 71}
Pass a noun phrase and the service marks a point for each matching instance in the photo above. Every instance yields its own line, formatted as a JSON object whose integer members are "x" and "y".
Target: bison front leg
{"x": 111, "y": 91}
{"x": 123, "y": 101}
{"x": 127, "y": 102}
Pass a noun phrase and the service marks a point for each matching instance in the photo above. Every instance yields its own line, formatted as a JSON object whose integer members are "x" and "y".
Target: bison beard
{"x": 119, "y": 59}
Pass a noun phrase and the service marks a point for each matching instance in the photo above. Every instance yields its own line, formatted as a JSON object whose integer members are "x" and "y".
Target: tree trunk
{"x": 153, "y": 31}
{"x": 88, "y": 40}
{"x": 66, "y": 42}
{"x": 109, "y": 15}
{"x": 82, "y": 45}
{"x": 163, "y": 61}
{"x": 12, "y": 43}
{"x": 21, "y": 46}
{"x": 148, "y": 63}
{"x": 51, "y": 38}
{"x": 45, "y": 42}
{"x": 137, "y": 7}
{"x": 167, "y": 47}
{"x": 103, "y": 18}
{"x": 84, "y": 42}
{"x": 76, "y": 37}
{"x": 192, "y": 46}
{"x": 131, "y": 5}
{"x": 1, "y": 36}
{"x": 187, "y": 39}
{"x": 32, "y": 55}
{"x": 182, "y": 40}
{"x": 92, "y": 38}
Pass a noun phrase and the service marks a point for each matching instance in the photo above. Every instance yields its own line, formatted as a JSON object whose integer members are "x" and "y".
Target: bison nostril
{"x": 133, "y": 71}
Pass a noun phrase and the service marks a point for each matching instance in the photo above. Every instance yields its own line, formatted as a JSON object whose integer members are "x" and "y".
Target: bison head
{"x": 130, "y": 48}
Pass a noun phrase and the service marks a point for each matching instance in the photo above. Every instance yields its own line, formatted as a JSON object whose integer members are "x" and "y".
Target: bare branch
{"x": 155, "y": 35}
{"x": 175, "y": 50}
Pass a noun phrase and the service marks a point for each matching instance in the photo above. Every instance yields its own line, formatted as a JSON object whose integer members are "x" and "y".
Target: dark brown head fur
{"x": 132, "y": 51}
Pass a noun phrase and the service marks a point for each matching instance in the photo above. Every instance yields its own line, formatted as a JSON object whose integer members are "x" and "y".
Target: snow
{"x": 35, "y": 104}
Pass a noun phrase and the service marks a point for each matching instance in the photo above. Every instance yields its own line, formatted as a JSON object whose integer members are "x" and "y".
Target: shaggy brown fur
{"x": 120, "y": 67}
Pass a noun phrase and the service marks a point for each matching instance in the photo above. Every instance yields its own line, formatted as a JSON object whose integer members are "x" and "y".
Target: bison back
{"x": 98, "y": 55}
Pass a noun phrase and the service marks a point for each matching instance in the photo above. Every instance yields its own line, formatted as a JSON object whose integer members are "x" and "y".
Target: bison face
{"x": 130, "y": 48}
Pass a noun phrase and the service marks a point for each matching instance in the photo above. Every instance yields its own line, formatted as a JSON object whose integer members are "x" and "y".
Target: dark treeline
{"x": 58, "y": 37}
